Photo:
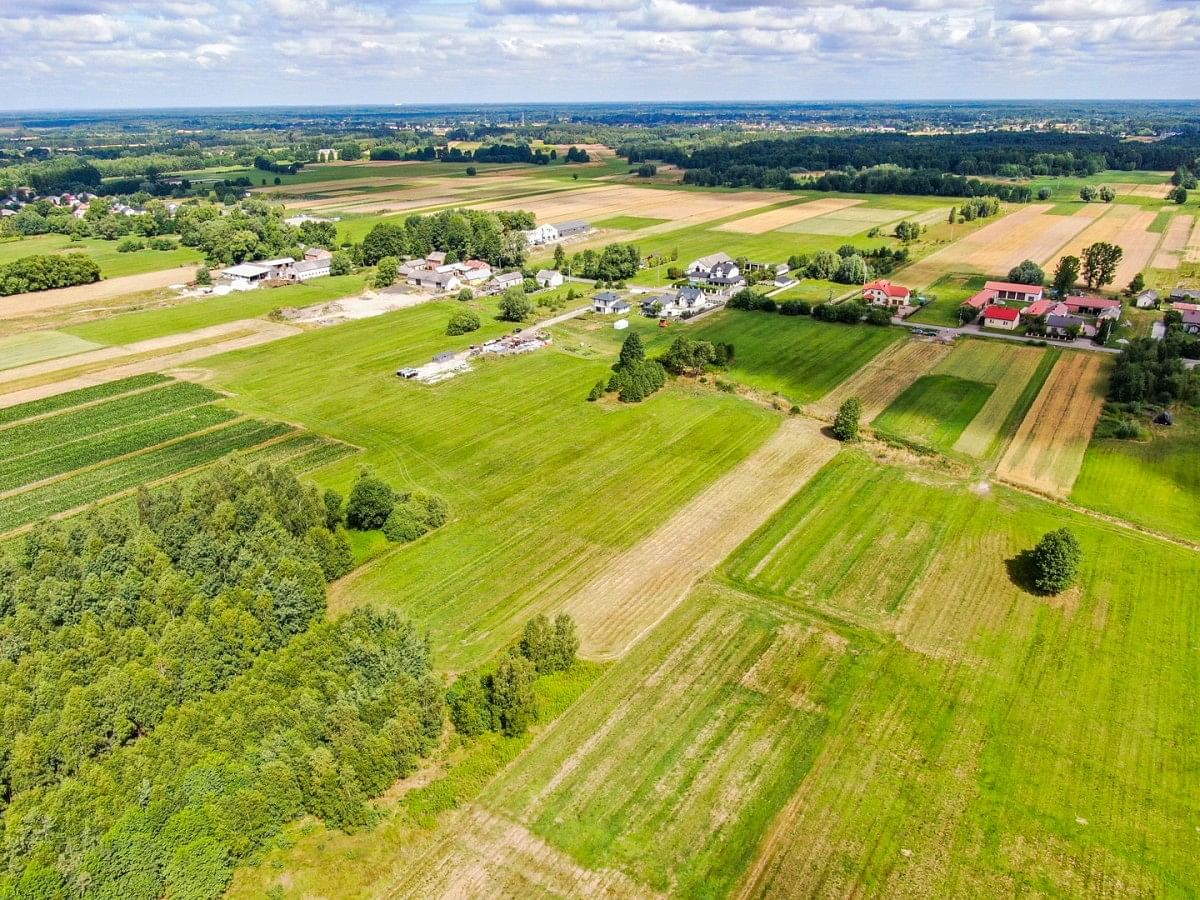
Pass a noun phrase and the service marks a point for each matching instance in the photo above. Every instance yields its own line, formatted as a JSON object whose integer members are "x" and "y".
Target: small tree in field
{"x": 515, "y": 306}
{"x": 1056, "y": 561}
{"x": 632, "y": 350}
{"x": 845, "y": 423}
{"x": 203, "y": 276}
{"x": 386, "y": 271}
{"x": 371, "y": 502}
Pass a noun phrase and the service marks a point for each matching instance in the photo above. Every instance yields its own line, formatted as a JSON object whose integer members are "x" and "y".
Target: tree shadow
{"x": 1022, "y": 572}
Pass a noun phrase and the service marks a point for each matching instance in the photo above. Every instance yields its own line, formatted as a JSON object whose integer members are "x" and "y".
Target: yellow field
{"x": 1006, "y": 366}
{"x": 883, "y": 379}
{"x": 1047, "y": 452}
{"x": 645, "y": 583}
{"x": 1174, "y": 243}
{"x": 778, "y": 218}
{"x": 1127, "y": 227}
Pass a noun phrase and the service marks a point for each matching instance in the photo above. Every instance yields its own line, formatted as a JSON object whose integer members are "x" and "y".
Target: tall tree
{"x": 1100, "y": 261}
{"x": 1066, "y": 274}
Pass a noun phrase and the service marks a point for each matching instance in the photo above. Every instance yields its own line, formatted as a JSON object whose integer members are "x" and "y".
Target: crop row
{"x": 96, "y": 484}
{"x": 82, "y": 424}
{"x": 50, "y": 461}
{"x": 302, "y": 453}
{"x": 81, "y": 396}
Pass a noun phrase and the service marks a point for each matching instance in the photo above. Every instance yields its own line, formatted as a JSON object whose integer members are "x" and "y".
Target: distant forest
{"x": 937, "y": 164}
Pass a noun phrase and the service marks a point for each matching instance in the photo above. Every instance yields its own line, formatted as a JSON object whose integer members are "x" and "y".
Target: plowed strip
{"x": 883, "y": 379}
{"x": 1047, "y": 452}
{"x": 789, "y": 215}
{"x": 646, "y": 582}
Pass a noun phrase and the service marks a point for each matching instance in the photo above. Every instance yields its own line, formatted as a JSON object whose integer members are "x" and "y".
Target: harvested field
{"x": 1192, "y": 251}
{"x": 1009, "y": 367}
{"x": 1154, "y": 191}
{"x": 1048, "y": 449}
{"x": 850, "y": 221}
{"x": 645, "y": 583}
{"x": 779, "y": 218}
{"x": 1029, "y": 233}
{"x": 1124, "y": 225}
{"x": 680, "y": 207}
{"x": 19, "y": 306}
{"x": 883, "y": 379}
{"x": 1174, "y": 243}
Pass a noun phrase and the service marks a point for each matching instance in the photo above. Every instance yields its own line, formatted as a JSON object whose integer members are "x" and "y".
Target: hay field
{"x": 1009, "y": 367}
{"x": 882, "y": 379}
{"x": 680, "y": 207}
{"x": 23, "y": 349}
{"x": 934, "y": 410}
{"x": 417, "y": 193}
{"x": 1029, "y": 233}
{"x": 1153, "y": 191}
{"x": 1174, "y": 242}
{"x": 779, "y": 218}
{"x": 850, "y": 221}
{"x": 1047, "y": 451}
{"x": 1124, "y": 225}
{"x": 637, "y": 589}
{"x": 1191, "y": 252}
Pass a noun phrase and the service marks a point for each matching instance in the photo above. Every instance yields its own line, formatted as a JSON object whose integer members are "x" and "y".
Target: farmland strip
{"x": 77, "y": 398}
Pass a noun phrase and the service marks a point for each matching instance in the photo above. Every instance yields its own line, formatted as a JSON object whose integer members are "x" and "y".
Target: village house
{"x": 502, "y": 283}
{"x": 996, "y": 291}
{"x": 1002, "y": 317}
{"x": 1184, "y": 295}
{"x": 1090, "y": 306}
{"x": 884, "y": 293}
{"x": 703, "y": 266}
{"x": 475, "y": 271}
{"x": 1064, "y": 326}
{"x": 661, "y": 306}
{"x": 542, "y": 234}
{"x": 435, "y": 259}
{"x": 607, "y": 303}
{"x": 317, "y": 253}
{"x": 549, "y": 278}
{"x": 1147, "y": 299}
{"x": 1191, "y": 321}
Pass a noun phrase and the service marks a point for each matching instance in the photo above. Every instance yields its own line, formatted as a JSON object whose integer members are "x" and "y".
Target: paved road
{"x": 1082, "y": 344}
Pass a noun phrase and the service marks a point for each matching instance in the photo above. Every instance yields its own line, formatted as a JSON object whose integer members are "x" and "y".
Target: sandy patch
{"x": 789, "y": 215}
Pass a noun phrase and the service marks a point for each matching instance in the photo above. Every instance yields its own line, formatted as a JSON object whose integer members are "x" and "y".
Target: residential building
{"x": 1062, "y": 326}
{"x": 1002, "y": 317}
{"x": 996, "y": 291}
{"x": 542, "y": 234}
{"x": 884, "y": 293}
{"x": 317, "y": 253}
{"x": 502, "y": 283}
{"x": 608, "y": 303}
{"x": 1147, "y": 299}
{"x": 1039, "y": 308}
{"x": 704, "y": 265}
{"x": 1191, "y": 321}
{"x": 1090, "y": 306}
{"x": 549, "y": 278}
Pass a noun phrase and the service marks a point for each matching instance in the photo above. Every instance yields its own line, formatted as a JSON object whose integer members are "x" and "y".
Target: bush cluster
{"x": 44, "y": 272}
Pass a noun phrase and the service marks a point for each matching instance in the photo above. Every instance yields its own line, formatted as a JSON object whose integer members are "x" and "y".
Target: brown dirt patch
{"x": 44, "y": 302}
{"x": 883, "y": 379}
{"x": 1048, "y": 449}
{"x": 646, "y": 582}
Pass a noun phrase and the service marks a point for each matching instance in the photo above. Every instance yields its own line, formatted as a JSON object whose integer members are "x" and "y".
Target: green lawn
{"x": 629, "y": 223}
{"x": 934, "y": 410}
{"x": 112, "y": 264}
{"x": 814, "y": 290}
{"x": 141, "y": 325}
{"x": 545, "y": 488}
{"x": 946, "y": 295}
{"x": 1155, "y": 483}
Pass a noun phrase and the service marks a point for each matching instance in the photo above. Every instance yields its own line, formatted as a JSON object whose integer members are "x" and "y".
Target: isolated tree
{"x": 1107, "y": 194}
{"x": 1087, "y": 193}
{"x": 463, "y": 321}
{"x": 465, "y": 294}
{"x": 472, "y": 171}
{"x": 560, "y": 257}
{"x": 953, "y": 217}
{"x": 371, "y": 502}
{"x": 1066, "y": 274}
{"x": 1027, "y": 272}
{"x": 515, "y": 306}
{"x": 1179, "y": 195}
{"x": 386, "y": 271}
{"x": 845, "y": 423}
{"x": 203, "y": 276}
{"x": 1044, "y": 193}
{"x": 1100, "y": 261}
{"x": 1056, "y": 561}
{"x": 632, "y": 350}
{"x": 1137, "y": 284}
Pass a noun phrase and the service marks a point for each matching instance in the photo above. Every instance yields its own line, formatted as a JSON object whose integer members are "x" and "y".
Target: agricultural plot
{"x": 112, "y": 264}
{"x": 53, "y": 302}
{"x": 630, "y": 223}
{"x": 934, "y": 410}
{"x": 1047, "y": 452}
{"x": 71, "y": 399}
{"x": 23, "y": 349}
{"x": 1155, "y": 483}
{"x": 858, "y": 219}
{"x": 883, "y": 378}
{"x": 775, "y": 219}
{"x": 1122, "y": 224}
{"x": 1174, "y": 242}
{"x": 1011, "y": 368}
{"x": 795, "y": 356}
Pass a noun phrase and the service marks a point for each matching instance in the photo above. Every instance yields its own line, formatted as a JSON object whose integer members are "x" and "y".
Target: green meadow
{"x": 934, "y": 410}
{"x": 112, "y": 264}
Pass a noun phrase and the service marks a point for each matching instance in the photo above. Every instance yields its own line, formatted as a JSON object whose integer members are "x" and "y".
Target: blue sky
{"x": 105, "y": 53}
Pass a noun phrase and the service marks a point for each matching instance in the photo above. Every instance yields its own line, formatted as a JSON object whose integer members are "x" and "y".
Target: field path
{"x": 883, "y": 379}
{"x": 642, "y": 585}
{"x": 19, "y": 306}
{"x": 1048, "y": 449}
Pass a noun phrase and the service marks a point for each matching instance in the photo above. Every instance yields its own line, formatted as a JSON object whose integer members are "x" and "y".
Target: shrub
{"x": 515, "y": 306}
{"x": 596, "y": 392}
{"x": 1056, "y": 561}
{"x": 462, "y": 322}
{"x": 639, "y": 380}
{"x": 845, "y": 423}
{"x": 465, "y": 294}
{"x": 203, "y": 276}
{"x": 795, "y": 308}
{"x": 371, "y": 502}
{"x": 130, "y": 245}
{"x": 404, "y": 523}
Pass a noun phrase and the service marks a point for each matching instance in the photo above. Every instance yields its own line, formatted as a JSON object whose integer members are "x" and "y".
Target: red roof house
{"x": 1005, "y": 290}
{"x": 1092, "y": 306}
{"x": 1005, "y": 317}
{"x": 1040, "y": 308}
{"x": 884, "y": 293}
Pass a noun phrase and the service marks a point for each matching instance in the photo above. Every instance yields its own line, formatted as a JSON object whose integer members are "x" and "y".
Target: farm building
{"x": 1003, "y": 317}
{"x": 884, "y": 293}
{"x": 435, "y": 281}
{"x": 317, "y": 253}
{"x": 435, "y": 259}
{"x": 1147, "y": 299}
{"x": 608, "y": 302}
{"x": 502, "y": 283}
{"x": 549, "y": 278}
{"x": 309, "y": 268}
{"x": 994, "y": 291}
{"x": 1040, "y": 308}
{"x": 1090, "y": 306}
{"x": 245, "y": 276}
{"x": 1064, "y": 326}
{"x": 542, "y": 234}
{"x": 570, "y": 229}
{"x": 1185, "y": 295}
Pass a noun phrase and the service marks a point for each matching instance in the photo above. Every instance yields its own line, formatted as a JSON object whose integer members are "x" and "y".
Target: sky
{"x": 76, "y": 54}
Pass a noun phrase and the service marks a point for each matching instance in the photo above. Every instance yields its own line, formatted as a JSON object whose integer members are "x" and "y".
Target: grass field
{"x": 1155, "y": 483}
{"x": 23, "y": 349}
{"x": 112, "y": 264}
{"x": 544, "y": 487}
{"x": 629, "y": 223}
{"x": 141, "y": 325}
{"x": 935, "y": 410}
{"x": 948, "y": 294}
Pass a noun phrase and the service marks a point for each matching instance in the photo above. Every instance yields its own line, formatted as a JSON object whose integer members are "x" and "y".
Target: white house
{"x": 883, "y": 293}
{"x": 245, "y": 276}
{"x": 542, "y": 234}
{"x": 705, "y": 264}
{"x": 608, "y": 302}
{"x": 549, "y": 278}
{"x": 1147, "y": 299}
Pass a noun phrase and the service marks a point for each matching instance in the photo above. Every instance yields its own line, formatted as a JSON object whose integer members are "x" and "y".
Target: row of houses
{"x": 720, "y": 273}
{"x": 679, "y": 304}
{"x": 559, "y": 231}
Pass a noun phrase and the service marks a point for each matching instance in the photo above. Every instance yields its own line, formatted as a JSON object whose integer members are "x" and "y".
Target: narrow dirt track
{"x": 641, "y": 586}
{"x": 20, "y": 306}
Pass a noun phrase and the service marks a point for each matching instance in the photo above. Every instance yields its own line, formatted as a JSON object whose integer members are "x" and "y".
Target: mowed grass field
{"x": 873, "y": 704}
{"x": 934, "y": 410}
{"x": 112, "y": 264}
{"x": 1155, "y": 483}
{"x": 544, "y": 487}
